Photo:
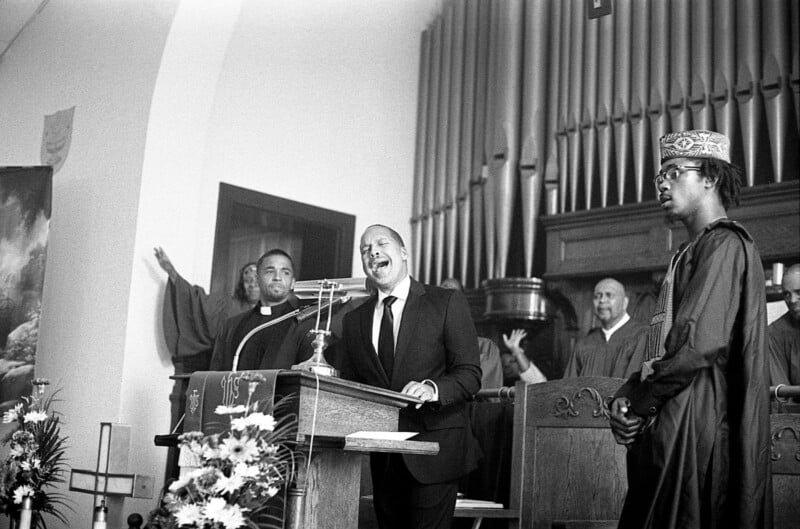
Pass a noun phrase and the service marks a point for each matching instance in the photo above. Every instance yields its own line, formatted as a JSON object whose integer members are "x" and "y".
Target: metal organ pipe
{"x": 419, "y": 156}
{"x": 532, "y": 95}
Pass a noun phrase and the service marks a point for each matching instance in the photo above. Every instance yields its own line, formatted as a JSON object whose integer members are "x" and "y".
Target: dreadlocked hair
{"x": 727, "y": 177}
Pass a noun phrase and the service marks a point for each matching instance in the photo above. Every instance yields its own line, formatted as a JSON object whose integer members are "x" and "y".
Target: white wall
{"x": 313, "y": 101}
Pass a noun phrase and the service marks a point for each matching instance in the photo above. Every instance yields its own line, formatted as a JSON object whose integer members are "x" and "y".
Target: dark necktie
{"x": 386, "y": 337}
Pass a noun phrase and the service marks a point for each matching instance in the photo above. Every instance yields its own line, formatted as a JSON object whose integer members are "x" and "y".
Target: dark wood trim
{"x": 636, "y": 238}
{"x": 231, "y": 197}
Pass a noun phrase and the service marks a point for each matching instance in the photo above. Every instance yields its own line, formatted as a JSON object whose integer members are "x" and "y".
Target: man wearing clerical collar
{"x": 784, "y": 333}
{"x": 419, "y": 340}
{"x": 607, "y": 351}
{"x": 695, "y": 418}
{"x": 268, "y": 348}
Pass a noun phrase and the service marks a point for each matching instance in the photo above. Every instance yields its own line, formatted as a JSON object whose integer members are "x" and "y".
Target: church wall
{"x": 312, "y": 101}
{"x": 103, "y": 58}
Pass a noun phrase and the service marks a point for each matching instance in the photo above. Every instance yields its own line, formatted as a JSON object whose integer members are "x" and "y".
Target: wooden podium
{"x": 328, "y": 409}
{"x": 332, "y": 484}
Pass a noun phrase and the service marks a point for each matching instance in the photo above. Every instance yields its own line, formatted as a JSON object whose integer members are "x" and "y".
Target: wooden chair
{"x": 567, "y": 470}
{"x": 785, "y": 456}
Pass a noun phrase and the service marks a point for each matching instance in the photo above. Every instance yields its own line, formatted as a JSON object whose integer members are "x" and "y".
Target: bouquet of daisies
{"x": 239, "y": 475}
{"x": 36, "y": 457}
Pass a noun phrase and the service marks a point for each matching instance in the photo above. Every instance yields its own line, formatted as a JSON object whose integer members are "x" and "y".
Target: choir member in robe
{"x": 784, "y": 334}
{"x": 192, "y": 318}
{"x": 608, "y": 350}
{"x": 695, "y": 419}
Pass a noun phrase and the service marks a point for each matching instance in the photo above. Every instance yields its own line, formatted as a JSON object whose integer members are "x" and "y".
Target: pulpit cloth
{"x": 209, "y": 389}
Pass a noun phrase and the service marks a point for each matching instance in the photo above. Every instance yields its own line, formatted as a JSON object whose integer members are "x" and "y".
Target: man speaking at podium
{"x": 273, "y": 347}
{"x": 419, "y": 340}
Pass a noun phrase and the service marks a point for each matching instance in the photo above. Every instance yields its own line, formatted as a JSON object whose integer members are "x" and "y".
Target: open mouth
{"x": 379, "y": 265}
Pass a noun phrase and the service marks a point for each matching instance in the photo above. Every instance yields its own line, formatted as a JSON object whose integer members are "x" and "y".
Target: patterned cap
{"x": 695, "y": 144}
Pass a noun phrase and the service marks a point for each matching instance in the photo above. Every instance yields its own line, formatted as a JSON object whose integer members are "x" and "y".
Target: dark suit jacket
{"x": 437, "y": 341}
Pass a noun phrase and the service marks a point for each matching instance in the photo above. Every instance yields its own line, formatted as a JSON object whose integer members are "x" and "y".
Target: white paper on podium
{"x": 392, "y": 436}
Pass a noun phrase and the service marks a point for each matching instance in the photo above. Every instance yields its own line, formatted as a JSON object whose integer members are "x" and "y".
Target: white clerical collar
{"x": 400, "y": 290}
{"x": 612, "y": 330}
{"x": 266, "y": 310}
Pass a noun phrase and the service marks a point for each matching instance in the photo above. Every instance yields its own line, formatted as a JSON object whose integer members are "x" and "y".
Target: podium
{"x": 334, "y": 477}
{"x": 329, "y": 409}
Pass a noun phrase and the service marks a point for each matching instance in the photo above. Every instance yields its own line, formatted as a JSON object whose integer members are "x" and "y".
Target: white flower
{"x": 244, "y": 449}
{"x": 245, "y": 471}
{"x": 189, "y": 514}
{"x": 230, "y": 410}
{"x": 214, "y": 509}
{"x": 238, "y": 424}
{"x": 231, "y": 484}
{"x": 32, "y": 464}
{"x": 22, "y": 491}
{"x": 12, "y": 414}
{"x": 263, "y": 422}
{"x": 232, "y": 517}
{"x": 178, "y": 484}
{"x": 35, "y": 416}
{"x": 272, "y": 491}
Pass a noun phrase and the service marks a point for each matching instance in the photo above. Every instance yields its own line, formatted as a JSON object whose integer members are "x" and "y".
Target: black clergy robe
{"x": 704, "y": 462}
{"x": 595, "y": 357}
{"x": 784, "y": 350}
{"x": 274, "y": 347}
{"x": 191, "y": 319}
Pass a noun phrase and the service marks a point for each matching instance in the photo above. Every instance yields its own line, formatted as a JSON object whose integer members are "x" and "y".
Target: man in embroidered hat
{"x": 695, "y": 419}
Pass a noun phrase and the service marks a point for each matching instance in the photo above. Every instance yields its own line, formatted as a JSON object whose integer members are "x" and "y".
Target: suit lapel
{"x": 408, "y": 324}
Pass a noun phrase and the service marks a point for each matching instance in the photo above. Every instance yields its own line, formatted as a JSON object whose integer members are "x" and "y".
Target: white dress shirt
{"x": 401, "y": 293}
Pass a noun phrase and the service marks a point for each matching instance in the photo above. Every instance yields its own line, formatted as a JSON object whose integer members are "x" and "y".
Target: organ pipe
{"x": 551, "y": 176}
{"x": 680, "y": 39}
{"x": 605, "y": 105}
{"x": 775, "y": 81}
{"x": 534, "y": 120}
{"x": 432, "y": 152}
{"x": 748, "y": 30}
{"x": 701, "y": 57}
{"x": 722, "y": 95}
{"x": 532, "y": 96}
{"x": 659, "y": 78}
{"x": 469, "y": 104}
{"x": 640, "y": 65}
{"x": 419, "y": 155}
{"x": 622, "y": 92}
{"x": 440, "y": 189}
{"x": 574, "y": 109}
{"x": 454, "y": 135}
{"x": 589, "y": 108}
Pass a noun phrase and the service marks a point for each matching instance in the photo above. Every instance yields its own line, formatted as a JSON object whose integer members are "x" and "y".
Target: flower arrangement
{"x": 239, "y": 474}
{"x": 36, "y": 459}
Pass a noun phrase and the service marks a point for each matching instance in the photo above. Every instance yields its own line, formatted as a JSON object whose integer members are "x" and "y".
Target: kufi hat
{"x": 695, "y": 144}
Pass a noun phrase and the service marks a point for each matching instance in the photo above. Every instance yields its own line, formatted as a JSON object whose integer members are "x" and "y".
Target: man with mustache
{"x": 695, "y": 419}
{"x": 419, "y": 340}
{"x": 784, "y": 333}
{"x": 607, "y": 351}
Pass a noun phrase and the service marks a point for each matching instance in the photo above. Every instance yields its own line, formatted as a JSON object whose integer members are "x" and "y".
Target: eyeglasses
{"x": 673, "y": 173}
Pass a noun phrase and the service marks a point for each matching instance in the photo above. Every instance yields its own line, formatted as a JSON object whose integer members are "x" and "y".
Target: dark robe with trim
{"x": 595, "y": 357}
{"x": 191, "y": 319}
{"x": 704, "y": 462}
